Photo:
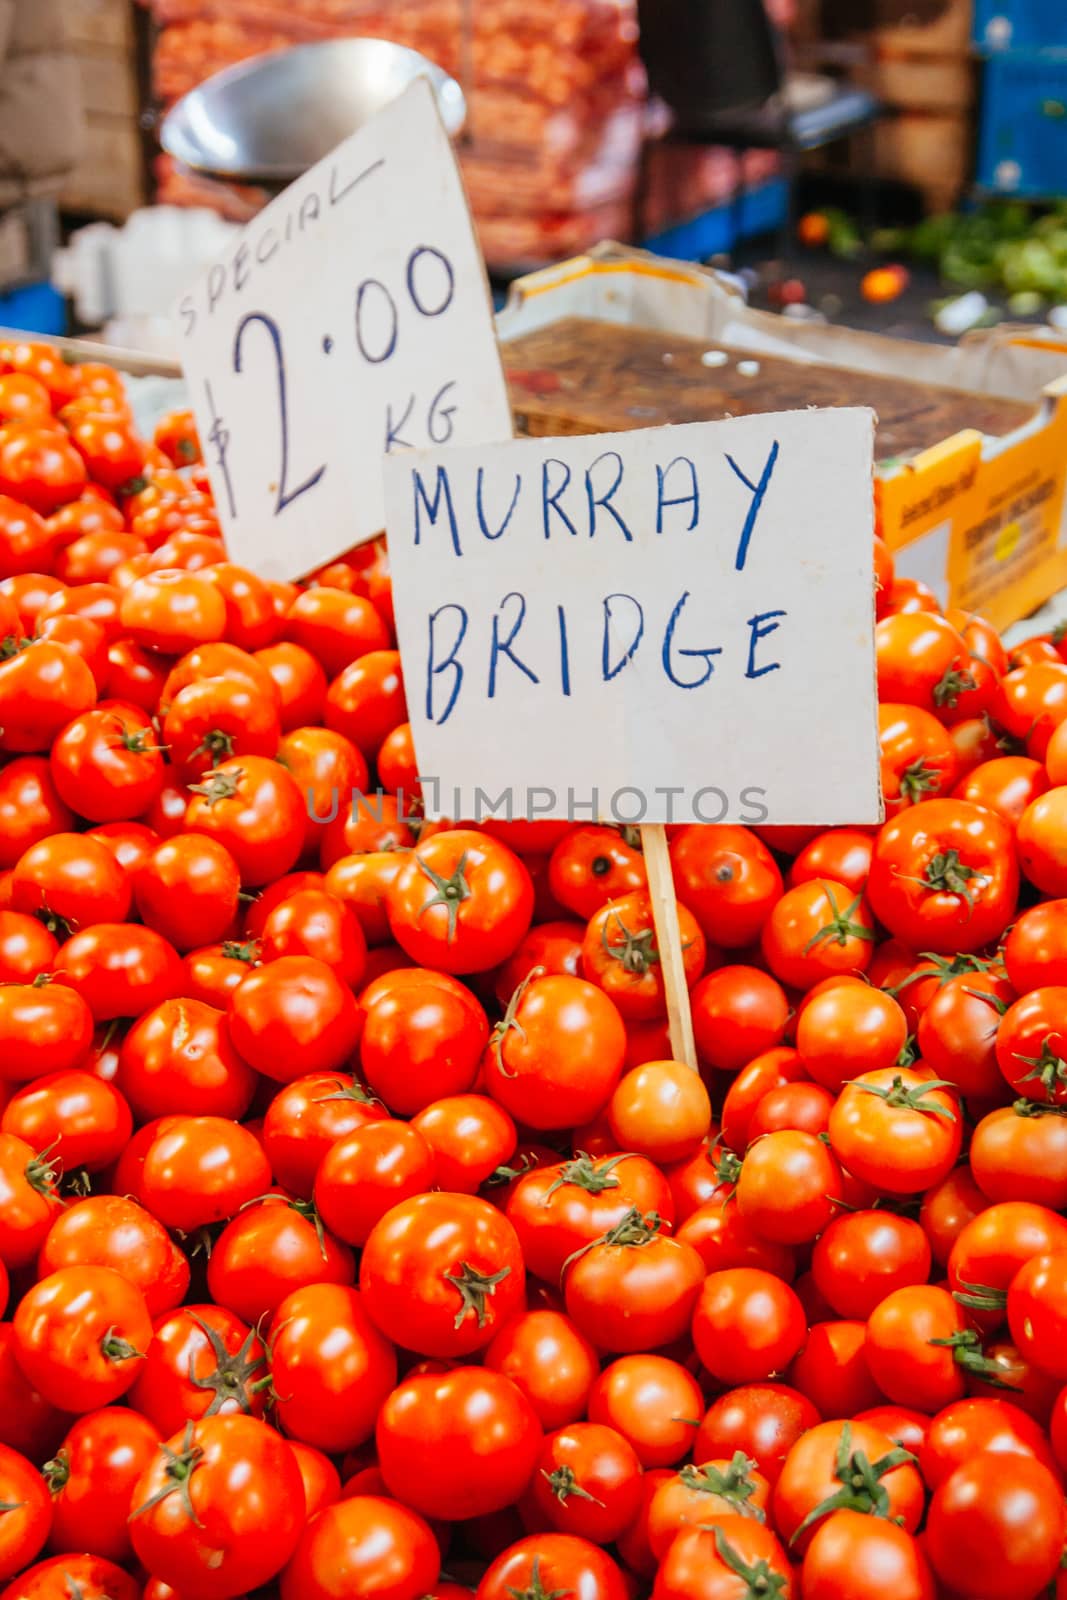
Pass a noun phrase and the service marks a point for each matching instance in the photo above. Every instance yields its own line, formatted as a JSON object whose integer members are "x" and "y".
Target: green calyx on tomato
{"x": 632, "y": 1233}
{"x": 981, "y": 1297}
{"x": 840, "y": 928}
{"x": 13, "y": 645}
{"x": 220, "y": 786}
{"x": 968, "y": 1354}
{"x": 510, "y": 1019}
{"x": 947, "y": 874}
{"x": 55, "y": 1472}
{"x": 42, "y": 1173}
{"x": 1048, "y": 1069}
{"x": 115, "y": 1348}
{"x": 232, "y": 1378}
{"x": 451, "y": 892}
{"x": 915, "y": 1098}
{"x": 734, "y": 1484}
{"x": 861, "y": 1482}
{"x": 918, "y": 780}
{"x": 248, "y": 953}
{"x": 763, "y": 1582}
{"x": 216, "y": 745}
{"x": 635, "y": 952}
{"x": 565, "y": 1486}
{"x": 474, "y": 1290}
{"x": 585, "y": 1172}
{"x": 951, "y": 685}
{"x": 180, "y": 1466}
{"x": 535, "y": 1589}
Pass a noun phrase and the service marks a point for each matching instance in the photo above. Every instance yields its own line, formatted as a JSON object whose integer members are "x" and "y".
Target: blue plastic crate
{"x": 759, "y": 210}
{"x": 1020, "y": 24}
{"x": 36, "y": 308}
{"x": 1022, "y": 142}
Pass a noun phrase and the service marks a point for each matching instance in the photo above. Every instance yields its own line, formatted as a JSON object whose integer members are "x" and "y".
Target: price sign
{"x": 349, "y": 321}
{"x": 671, "y": 625}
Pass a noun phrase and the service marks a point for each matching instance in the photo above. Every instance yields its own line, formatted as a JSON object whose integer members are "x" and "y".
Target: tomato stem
{"x": 565, "y": 1485}
{"x": 919, "y": 780}
{"x": 451, "y": 892}
{"x": 734, "y": 1484}
{"x": 181, "y": 1464}
{"x": 115, "y": 1348}
{"x": 510, "y": 1020}
{"x": 951, "y": 685}
{"x": 535, "y": 1589}
{"x": 980, "y": 1297}
{"x": 947, "y": 874}
{"x": 474, "y": 1289}
{"x": 219, "y": 786}
{"x": 1048, "y": 1069}
{"x": 230, "y": 1381}
{"x": 635, "y": 952}
{"x": 840, "y": 927}
{"x": 588, "y": 1173}
{"x": 216, "y": 745}
{"x": 968, "y": 1354}
{"x": 861, "y": 1483}
{"x": 914, "y": 1098}
{"x": 763, "y": 1582}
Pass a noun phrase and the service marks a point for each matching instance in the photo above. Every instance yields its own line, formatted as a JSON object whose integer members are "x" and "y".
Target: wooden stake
{"x": 669, "y": 942}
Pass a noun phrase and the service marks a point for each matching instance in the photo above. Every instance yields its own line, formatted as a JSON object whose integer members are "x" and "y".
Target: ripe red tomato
{"x": 461, "y": 902}
{"x": 634, "y": 1289}
{"x": 254, "y": 807}
{"x": 369, "y": 1544}
{"x": 27, "y": 1515}
{"x": 91, "y": 1478}
{"x": 80, "y": 1334}
{"x": 898, "y": 1129}
{"x": 557, "y": 1210}
{"x": 1005, "y": 1528}
{"x": 590, "y": 866}
{"x": 853, "y": 1556}
{"x": 943, "y": 876}
{"x": 221, "y": 1506}
{"x": 110, "y": 1230}
{"x": 178, "y": 1058}
{"x": 331, "y": 1368}
{"x": 203, "y": 1361}
{"x": 747, "y": 1325}
{"x": 293, "y": 1016}
{"x": 307, "y": 1117}
{"x": 367, "y": 1172}
{"x": 458, "y": 1444}
{"x": 816, "y": 930}
{"x": 423, "y": 1037}
{"x": 269, "y": 1250}
{"x": 557, "y": 1056}
{"x": 829, "y": 1456}
{"x": 441, "y": 1273}
{"x": 709, "y": 1563}
{"x": 552, "y": 1562}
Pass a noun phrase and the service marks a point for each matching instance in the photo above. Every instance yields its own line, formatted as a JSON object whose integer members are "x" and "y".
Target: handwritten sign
{"x": 351, "y": 319}
{"x": 671, "y": 625}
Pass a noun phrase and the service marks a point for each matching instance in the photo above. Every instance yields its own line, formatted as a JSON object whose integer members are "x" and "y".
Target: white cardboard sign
{"x": 670, "y": 625}
{"x": 351, "y": 318}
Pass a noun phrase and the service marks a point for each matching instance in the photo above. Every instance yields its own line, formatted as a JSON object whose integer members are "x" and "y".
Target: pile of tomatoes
{"x": 358, "y": 1234}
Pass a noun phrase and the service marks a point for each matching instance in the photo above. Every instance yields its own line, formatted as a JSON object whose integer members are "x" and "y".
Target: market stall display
{"x": 357, "y": 1227}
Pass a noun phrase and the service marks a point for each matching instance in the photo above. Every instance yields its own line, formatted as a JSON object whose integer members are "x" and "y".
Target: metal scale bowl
{"x": 267, "y": 120}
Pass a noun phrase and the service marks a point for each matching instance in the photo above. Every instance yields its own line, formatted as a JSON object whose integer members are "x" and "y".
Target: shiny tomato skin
{"x": 30, "y": 807}
{"x": 550, "y": 1360}
{"x": 458, "y": 1444}
{"x": 728, "y": 879}
{"x": 555, "y": 1060}
{"x": 747, "y": 1324}
{"x": 92, "y": 1476}
{"x": 293, "y": 1016}
{"x": 441, "y": 1273}
{"x": 203, "y": 1360}
{"x": 702, "y": 1562}
{"x": 809, "y": 1477}
{"x": 1005, "y": 1528}
{"x": 247, "y": 1499}
{"x": 44, "y": 1029}
{"x": 739, "y": 1013}
{"x": 368, "y": 1545}
{"x": 71, "y": 881}
{"x": 267, "y": 1251}
{"x": 202, "y": 1170}
{"x": 461, "y": 902}
{"x": 422, "y": 1039}
{"x": 652, "y": 1401}
{"x": 119, "y": 969}
{"x": 332, "y": 1368}
{"x": 27, "y": 1516}
{"x": 79, "y": 1336}
{"x": 978, "y": 1426}
{"x": 553, "y": 1560}
{"x": 309, "y": 1115}
{"x": 944, "y": 876}
{"x": 254, "y": 807}
{"x": 110, "y": 1230}
{"x": 81, "y": 1119}
{"x": 865, "y": 1255}
{"x": 94, "y": 1577}
{"x": 559, "y": 1209}
{"x": 764, "y": 1420}
{"x": 854, "y": 1557}
{"x": 178, "y": 1058}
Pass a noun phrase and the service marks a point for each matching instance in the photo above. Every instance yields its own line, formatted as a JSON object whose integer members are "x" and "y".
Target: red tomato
{"x": 370, "y": 1544}
{"x": 91, "y": 1478}
{"x": 943, "y": 876}
{"x": 458, "y": 1444}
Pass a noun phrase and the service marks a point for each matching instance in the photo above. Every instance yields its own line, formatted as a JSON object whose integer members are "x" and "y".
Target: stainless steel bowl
{"x": 267, "y": 120}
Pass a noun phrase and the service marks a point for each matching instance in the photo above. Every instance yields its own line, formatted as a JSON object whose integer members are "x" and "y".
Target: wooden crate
{"x": 100, "y": 24}
{"x": 108, "y": 82}
{"x": 109, "y": 179}
{"x": 931, "y": 151}
{"x": 921, "y": 82}
{"x": 913, "y": 27}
